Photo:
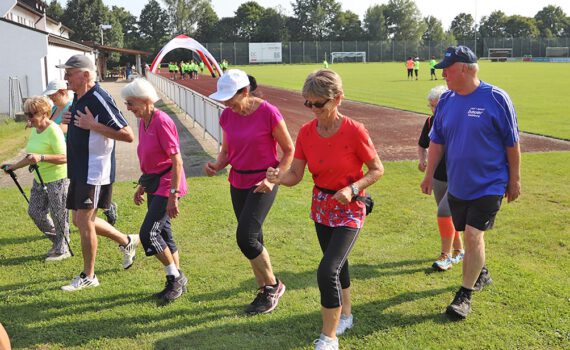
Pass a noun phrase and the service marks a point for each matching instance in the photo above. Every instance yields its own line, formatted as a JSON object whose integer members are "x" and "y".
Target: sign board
{"x": 265, "y": 53}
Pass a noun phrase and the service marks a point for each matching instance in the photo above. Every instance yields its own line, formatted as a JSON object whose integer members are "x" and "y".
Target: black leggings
{"x": 155, "y": 232}
{"x": 332, "y": 275}
{"x": 250, "y": 210}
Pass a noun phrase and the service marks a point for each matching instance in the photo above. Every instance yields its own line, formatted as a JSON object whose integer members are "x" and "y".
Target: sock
{"x": 446, "y": 228}
{"x": 327, "y": 339}
{"x": 467, "y": 291}
{"x": 171, "y": 270}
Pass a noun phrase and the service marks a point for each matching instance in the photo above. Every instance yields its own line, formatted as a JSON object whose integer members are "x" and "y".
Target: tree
{"x": 347, "y": 26}
{"x": 434, "y": 30}
{"x": 128, "y": 24}
{"x": 315, "y": 18}
{"x": 84, "y": 17}
{"x": 375, "y": 25}
{"x": 247, "y": 18}
{"x": 206, "y": 26}
{"x": 404, "y": 20}
{"x": 519, "y": 26}
{"x": 153, "y": 26}
{"x": 551, "y": 21}
{"x": 185, "y": 14}
{"x": 463, "y": 27}
{"x": 55, "y": 11}
{"x": 493, "y": 26}
{"x": 272, "y": 27}
{"x": 225, "y": 30}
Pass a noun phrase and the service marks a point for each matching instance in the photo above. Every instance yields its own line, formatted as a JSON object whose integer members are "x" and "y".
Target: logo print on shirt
{"x": 88, "y": 201}
{"x": 475, "y": 112}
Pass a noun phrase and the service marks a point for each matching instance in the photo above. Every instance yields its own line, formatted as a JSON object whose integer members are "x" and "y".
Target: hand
{"x": 6, "y": 167}
{"x": 33, "y": 158}
{"x": 513, "y": 190}
{"x": 66, "y": 117}
{"x": 139, "y": 195}
{"x": 344, "y": 195}
{"x": 172, "y": 206}
{"x": 426, "y": 185}
{"x": 422, "y": 165}
{"x": 272, "y": 175}
{"x": 85, "y": 120}
{"x": 210, "y": 169}
{"x": 263, "y": 186}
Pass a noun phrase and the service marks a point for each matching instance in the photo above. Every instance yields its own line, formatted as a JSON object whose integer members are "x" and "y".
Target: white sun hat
{"x": 229, "y": 84}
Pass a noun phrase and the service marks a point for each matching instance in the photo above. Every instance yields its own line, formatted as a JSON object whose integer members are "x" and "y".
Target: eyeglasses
{"x": 316, "y": 104}
{"x": 29, "y": 114}
{"x": 129, "y": 103}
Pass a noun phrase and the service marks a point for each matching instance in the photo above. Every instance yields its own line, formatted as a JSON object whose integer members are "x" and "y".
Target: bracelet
{"x": 42, "y": 158}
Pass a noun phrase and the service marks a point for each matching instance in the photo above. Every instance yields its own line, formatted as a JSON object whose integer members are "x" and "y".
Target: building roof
{"x": 61, "y": 41}
{"x": 123, "y": 50}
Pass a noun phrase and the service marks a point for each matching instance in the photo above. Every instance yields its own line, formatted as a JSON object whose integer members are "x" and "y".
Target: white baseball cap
{"x": 54, "y": 86}
{"x": 229, "y": 84}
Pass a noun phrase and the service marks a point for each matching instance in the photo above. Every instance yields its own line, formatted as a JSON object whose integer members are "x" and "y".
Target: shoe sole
{"x": 272, "y": 308}
{"x": 452, "y": 313}
{"x": 128, "y": 267}
{"x": 439, "y": 268}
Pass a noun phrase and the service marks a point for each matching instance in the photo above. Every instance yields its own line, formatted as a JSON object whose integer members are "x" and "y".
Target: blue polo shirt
{"x": 90, "y": 155}
{"x": 475, "y": 130}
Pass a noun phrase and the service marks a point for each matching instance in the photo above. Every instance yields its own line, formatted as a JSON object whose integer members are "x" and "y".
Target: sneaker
{"x": 130, "y": 251}
{"x": 344, "y": 323}
{"x": 457, "y": 256}
{"x": 111, "y": 214}
{"x": 81, "y": 282}
{"x": 325, "y": 343}
{"x": 483, "y": 280}
{"x": 58, "y": 257}
{"x": 443, "y": 263}
{"x": 460, "y": 307}
{"x": 174, "y": 287}
{"x": 266, "y": 300}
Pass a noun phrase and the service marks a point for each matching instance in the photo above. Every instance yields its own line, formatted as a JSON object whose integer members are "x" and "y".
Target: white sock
{"x": 328, "y": 339}
{"x": 171, "y": 270}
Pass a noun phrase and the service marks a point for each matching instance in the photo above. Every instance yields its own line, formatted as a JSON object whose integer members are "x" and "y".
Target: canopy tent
{"x": 185, "y": 42}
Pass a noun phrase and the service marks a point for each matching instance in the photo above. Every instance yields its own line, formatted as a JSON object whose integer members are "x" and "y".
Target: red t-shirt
{"x": 335, "y": 162}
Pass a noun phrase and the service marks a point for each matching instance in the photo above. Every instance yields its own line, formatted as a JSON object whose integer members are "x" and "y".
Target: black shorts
{"x": 479, "y": 213}
{"x": 84, "y": 196}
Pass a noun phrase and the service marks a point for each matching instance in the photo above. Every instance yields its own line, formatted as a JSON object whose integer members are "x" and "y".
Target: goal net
{"x": 353, "y": 56}
{"x": 500, "y": 54}
{"x": 562, "y": 51}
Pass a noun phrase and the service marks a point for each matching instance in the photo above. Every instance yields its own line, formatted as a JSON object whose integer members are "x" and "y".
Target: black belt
{"x": 327, "y": 191}
{"x": 249, "y": 171}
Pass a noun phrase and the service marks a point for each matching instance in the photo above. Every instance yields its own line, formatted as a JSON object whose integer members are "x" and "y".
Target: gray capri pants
{"x": 440, "y": 194}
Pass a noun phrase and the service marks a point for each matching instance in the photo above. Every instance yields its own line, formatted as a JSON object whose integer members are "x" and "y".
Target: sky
{"x": 445, "y": 10}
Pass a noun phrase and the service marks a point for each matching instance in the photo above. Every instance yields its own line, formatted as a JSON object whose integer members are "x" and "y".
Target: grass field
{"x": 397, "y": 300}
{"x": 538, "y": 90}
{"x": 13, "y": 137}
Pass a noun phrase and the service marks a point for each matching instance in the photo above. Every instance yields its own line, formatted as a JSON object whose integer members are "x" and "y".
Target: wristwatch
{"x": 174, "y": 191}
{"x": 355, "y": 190}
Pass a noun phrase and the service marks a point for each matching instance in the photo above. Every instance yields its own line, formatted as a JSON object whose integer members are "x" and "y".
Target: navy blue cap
{"x": 457, "y": 54}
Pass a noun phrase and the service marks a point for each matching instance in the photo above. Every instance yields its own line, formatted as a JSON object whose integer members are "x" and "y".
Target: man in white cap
{"x": 95, "y": 123}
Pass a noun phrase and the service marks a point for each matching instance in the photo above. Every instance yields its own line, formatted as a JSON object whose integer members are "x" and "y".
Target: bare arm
{"x": 87, "y": 121}
{"x": 374, "y": 173}
{"x": 435, "y": 153}
{"x": 422, "y": 157}
{"x": 514, "y": 184}
{"x": 221, "y": 161}
{"x": 172, "y": 205}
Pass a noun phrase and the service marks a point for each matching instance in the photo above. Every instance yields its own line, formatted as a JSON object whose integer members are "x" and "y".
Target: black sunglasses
{"x": 316, "y": 104}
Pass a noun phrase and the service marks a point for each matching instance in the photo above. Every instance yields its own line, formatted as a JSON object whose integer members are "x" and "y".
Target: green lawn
{"x": 397, "y": 300}
{"x": 539, "y": 90}
{"x": 13, "y": 137}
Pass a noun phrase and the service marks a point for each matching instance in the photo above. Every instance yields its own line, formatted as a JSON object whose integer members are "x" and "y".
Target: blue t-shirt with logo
{"x": 475, "y": 130}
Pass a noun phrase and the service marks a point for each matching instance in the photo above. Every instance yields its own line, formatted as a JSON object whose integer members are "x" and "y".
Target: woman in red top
{"x": 334, "y": 147}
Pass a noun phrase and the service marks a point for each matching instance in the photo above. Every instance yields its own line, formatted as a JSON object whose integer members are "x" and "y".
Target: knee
{"x": 249, "y": 245}
{"x": 326, "y": 275}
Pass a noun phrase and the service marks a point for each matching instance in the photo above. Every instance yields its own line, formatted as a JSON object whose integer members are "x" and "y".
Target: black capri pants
{"x": 250, "y": 210}
{"x": 156, "y": 233}
{"x": 332, "y": 275}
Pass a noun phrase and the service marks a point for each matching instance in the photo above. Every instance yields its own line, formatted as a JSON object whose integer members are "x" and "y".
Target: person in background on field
{"x": 475, "y": 126}
{"x": 224, "y": 65}
{"x": 410, "y": 68}
{"x": 183, "y": 70}
{"x": 194, "y": 69}
{"x": 57, "y": 91}
{"x": 201, "y": 67}
{"x": 334, "y": 147}
{"x": 450, "y": 238}
{"x": 129, "y": 71}
{"x": 416, "y": 67}
{"x": 4, "y": 339}
{"x": 91, "y": 165}
{"x": 325, "y": 64}
{"x": 252, "y": 129}
{"x": 432, "y": 64}
{"x": 46, "y": 149}
{"x": 159, "y": 153}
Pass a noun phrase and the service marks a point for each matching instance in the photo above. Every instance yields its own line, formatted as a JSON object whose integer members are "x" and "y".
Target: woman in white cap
{"x": 252, "y": 128}
{"x": 58, "y": 93}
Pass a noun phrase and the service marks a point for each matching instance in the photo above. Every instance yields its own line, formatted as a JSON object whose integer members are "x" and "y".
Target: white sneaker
{"x": 130, "y": 251}
{"x": 81, "y": 282}
{"x": 344, "y": 323}
{"x": 325, "y": 343}
{"x": 58, "y": 257}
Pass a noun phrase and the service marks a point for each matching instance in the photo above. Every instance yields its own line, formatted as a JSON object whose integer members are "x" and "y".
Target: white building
{"x": 32, "y": 44}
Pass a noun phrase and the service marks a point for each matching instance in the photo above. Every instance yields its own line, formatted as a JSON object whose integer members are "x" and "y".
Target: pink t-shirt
{"x": 251, "y": 145}
{"x": 156, "y": 144}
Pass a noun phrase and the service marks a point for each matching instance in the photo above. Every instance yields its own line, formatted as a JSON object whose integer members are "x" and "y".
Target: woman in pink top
{"x": 252, "y": 129}
{"x": 159, "y": 154}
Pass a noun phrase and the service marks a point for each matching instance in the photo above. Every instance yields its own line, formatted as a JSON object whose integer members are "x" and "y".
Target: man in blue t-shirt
{"x": 475, "y": 125}
{"x": 95, "y": 123}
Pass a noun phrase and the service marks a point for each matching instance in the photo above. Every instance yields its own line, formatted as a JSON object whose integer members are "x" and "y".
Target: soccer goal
{"x": 500, "y": 54}
{"x": 560, "y": 51}
{"x": 353, "y": 56}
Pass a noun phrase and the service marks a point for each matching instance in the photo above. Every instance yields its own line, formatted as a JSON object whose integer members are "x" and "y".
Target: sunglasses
{"x": 316, "y": 104}
{"x": 30, "y": 115}
{"x": 129, "y": 103}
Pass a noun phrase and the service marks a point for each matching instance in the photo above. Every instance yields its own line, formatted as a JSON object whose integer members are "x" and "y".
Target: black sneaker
{"x": 460, "y": 307}
{"x": 266, "y": 300}
{"x": 111, "y": 214}
{"x": 174, "y": 287}
{"x": 483, "y": 280}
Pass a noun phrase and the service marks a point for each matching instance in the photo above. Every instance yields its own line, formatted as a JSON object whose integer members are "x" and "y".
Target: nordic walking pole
{"x": 44, "y": 187}
{"x": 15, "y": 178}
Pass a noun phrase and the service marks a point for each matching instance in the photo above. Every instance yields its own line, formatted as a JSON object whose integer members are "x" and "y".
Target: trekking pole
{"x": 44, "y": 187}
{"x": 15, "y": 178}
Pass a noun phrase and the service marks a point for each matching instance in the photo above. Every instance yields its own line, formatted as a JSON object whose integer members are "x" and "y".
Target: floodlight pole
{"x": 104, "y": 27}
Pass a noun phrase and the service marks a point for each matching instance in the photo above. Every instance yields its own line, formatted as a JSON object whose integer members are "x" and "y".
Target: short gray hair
{"x": 323, "y": 83}
{"x": 140, "y": 88}
{"x": 435, "y": 93}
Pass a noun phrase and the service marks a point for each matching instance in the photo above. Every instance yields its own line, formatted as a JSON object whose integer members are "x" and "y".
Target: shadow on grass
{"x": 21, "y": 239}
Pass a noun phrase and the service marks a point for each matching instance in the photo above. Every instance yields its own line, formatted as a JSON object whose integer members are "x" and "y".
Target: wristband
{"x": 42, "y": 158}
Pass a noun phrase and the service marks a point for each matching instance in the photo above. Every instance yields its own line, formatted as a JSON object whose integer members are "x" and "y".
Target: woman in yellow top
{"x": 46, "y": 148}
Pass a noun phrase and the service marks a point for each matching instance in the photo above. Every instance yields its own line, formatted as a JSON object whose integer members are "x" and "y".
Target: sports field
{"x": 539, "y": 90}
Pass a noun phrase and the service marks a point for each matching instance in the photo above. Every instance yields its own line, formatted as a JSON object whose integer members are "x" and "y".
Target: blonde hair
{"x": 140, "y": 88}
{"x": 324, "y": 83}
{"x": 38, "y": 104}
